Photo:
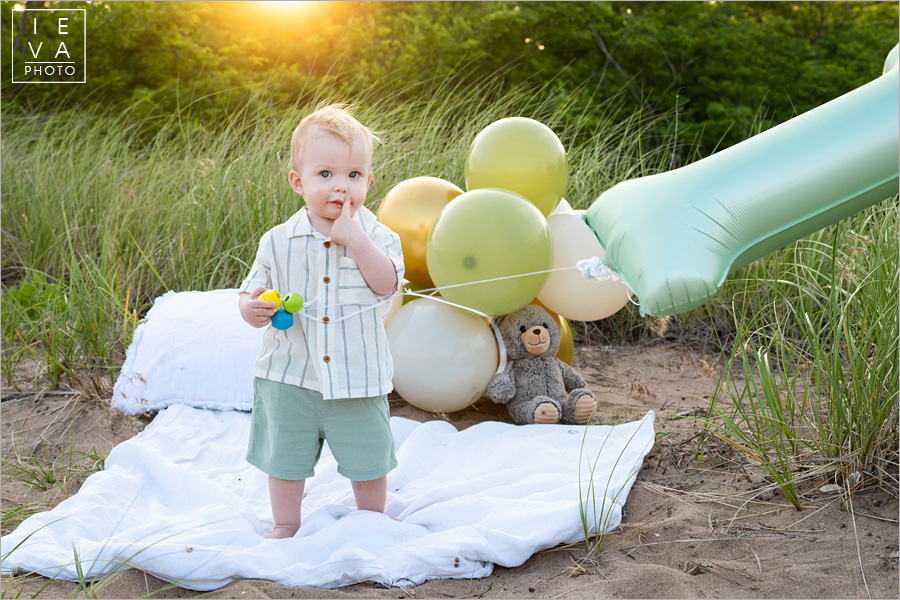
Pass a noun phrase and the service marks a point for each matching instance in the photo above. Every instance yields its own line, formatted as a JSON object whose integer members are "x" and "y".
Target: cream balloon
{"x": 567, "y": 292}
{"x": 444, "y": 357}
{"x": 563, "y": 206}
{"x": 390, "y": 309}
{"x": 401, "y": 298}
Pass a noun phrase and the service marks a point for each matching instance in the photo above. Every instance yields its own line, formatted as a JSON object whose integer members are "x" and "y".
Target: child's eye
{"x": 355, "y": 174}
{"x": 325, "y": 174}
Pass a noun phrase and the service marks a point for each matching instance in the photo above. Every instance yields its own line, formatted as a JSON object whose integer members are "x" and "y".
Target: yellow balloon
{"x": 444, "y": 357}
{"x": 489, "y": 235}
{"x": 521, "y": 155}
{"x": 566, "y": 352}
{"x": 409, "y": 209}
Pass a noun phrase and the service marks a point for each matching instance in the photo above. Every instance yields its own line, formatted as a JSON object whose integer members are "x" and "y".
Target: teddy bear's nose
{"x": 537, "y": 331}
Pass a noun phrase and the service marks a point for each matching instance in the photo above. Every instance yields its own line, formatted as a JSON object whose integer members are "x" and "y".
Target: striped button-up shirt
{"x": 324, "y": 351}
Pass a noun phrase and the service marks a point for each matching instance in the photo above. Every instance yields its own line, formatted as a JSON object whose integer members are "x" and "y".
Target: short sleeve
{"x": 389, "y": 243}
{"x": 261, "y": 271}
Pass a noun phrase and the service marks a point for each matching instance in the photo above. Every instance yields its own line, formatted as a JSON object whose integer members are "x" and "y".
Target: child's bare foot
{"x": 281, "y": 532}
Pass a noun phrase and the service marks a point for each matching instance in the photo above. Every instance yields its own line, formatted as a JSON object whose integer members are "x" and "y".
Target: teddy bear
{"x": 535, "y": 386}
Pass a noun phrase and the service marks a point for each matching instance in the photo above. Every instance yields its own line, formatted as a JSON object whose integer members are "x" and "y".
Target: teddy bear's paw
{"x": 584, "y": 409}
{"x": 546, "y": 414}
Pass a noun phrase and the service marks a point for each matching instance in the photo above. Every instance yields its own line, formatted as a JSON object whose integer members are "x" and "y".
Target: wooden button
{"x": 326, "y": 358}
{"x": 325, "y": 319}
{"x": 328, "y": 244}
{"x": 326, "y": 279}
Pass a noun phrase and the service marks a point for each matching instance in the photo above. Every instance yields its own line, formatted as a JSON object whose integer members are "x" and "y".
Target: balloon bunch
{"x": 509, "y": 240}
{"x": 285, "y": 307}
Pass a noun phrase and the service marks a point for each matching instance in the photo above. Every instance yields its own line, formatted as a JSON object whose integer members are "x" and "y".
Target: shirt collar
{"x": 299, "y": 224}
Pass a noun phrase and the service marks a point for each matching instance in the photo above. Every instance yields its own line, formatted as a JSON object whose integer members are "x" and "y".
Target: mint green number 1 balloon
{"x": 674, "y": 237}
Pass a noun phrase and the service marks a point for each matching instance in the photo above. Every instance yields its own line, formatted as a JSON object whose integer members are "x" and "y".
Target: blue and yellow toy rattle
{"x": 284, "y": 307}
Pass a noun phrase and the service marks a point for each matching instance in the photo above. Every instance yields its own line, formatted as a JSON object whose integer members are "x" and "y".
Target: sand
{"x": 701, "y": 520}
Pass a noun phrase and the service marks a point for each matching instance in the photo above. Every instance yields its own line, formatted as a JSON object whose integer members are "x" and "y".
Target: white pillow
{"x": 192, "y": 348}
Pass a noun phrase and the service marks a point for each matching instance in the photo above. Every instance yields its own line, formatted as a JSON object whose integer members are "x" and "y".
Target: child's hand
{"x": 345, "y": 231}
{"x": 374, "y": 265}
{"x": 256, "y": 312}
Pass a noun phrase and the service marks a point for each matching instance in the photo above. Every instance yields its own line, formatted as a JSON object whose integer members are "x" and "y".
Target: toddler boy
{"x": 326, "y": 377}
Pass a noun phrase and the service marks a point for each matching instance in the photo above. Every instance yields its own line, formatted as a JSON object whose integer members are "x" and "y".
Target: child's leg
{"x": 286, "y": 496}
{"x": 370, "y": 495}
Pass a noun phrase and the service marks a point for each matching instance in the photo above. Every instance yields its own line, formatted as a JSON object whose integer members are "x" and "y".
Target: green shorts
{"x": 289, "y": 424}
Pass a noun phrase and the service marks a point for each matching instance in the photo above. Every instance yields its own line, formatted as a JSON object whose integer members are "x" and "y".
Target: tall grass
{"x": 103, "y": 212}
{"x": 813, "y": 380}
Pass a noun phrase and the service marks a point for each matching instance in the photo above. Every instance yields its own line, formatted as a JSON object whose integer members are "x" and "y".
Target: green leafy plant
{"x": 35, "y": 315}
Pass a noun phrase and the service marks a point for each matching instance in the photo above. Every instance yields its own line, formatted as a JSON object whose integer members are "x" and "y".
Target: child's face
{"x": 331, "y": 174}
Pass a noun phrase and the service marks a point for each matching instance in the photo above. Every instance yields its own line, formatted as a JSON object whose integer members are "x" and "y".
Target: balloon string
{"x": 438, "y": 299}
{"x": 591, "y": 268}
{"x": 365, "y": 308}
{"x": 455, "y": 285}
{"x": 501, "y": 347}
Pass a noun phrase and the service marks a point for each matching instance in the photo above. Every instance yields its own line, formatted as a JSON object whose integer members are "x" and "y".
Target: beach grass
{"x": 814, "y": 367}
{"x": 104, "y": 211}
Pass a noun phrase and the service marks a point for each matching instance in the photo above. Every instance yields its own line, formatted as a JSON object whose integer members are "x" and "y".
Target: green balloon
{"x": 487, "y": 234}
{"x": 521, "y": 155}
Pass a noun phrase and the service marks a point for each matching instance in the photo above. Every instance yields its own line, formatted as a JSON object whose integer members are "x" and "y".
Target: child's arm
{"x": 376, "y": 268}
{"x": 256, "y": 312}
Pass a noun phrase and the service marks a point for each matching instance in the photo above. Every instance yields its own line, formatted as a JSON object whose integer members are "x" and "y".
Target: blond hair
{"x": 336, "y": 119}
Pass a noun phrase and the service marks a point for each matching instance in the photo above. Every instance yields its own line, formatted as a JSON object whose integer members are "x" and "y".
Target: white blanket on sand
{"x": 180, "y": 502}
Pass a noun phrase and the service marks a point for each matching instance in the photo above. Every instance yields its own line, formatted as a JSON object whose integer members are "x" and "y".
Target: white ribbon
{"x": 593, "y": 268}
{"x": 309, "y": 316}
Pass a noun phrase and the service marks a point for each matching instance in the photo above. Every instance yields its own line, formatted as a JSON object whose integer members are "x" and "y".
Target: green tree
{"x": 719, "y": 71}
